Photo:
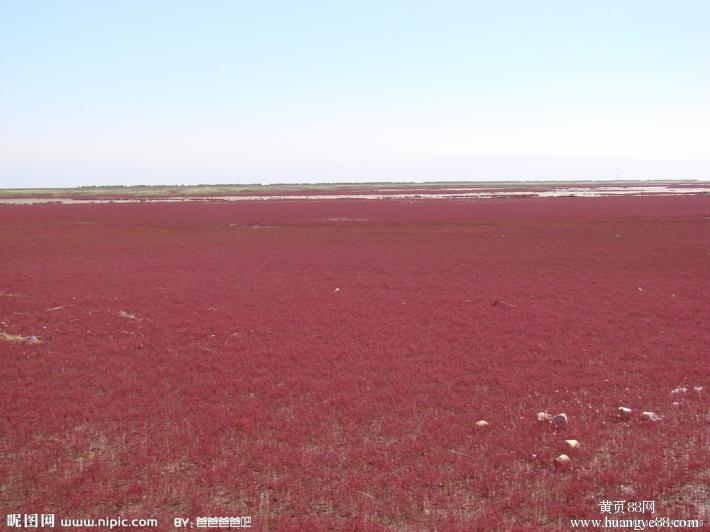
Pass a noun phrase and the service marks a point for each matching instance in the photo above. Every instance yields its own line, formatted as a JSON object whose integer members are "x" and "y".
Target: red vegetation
{"x": 323, "y": 364}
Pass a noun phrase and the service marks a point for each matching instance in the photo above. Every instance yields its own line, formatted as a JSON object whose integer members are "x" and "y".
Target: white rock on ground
{"x": 563, "y": 459}
{"x": 574, "y": 444}
{"x": 482, "y": 423}
{"x": 650, "y": 416}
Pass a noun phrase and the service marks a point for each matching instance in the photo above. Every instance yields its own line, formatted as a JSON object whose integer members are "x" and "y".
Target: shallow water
{"x": 461, "y": 193}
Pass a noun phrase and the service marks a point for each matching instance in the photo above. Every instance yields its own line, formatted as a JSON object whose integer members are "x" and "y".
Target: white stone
{"x": 563, "y": 459}
{"x": 650, "y": 416}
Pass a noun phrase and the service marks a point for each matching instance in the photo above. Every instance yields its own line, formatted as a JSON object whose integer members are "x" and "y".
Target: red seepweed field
{"x": 322, "y": 365}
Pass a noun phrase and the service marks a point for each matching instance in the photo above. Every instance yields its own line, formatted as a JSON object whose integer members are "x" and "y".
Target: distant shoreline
{"x": 359, "y": 191}
{"x": 117, "y": 192}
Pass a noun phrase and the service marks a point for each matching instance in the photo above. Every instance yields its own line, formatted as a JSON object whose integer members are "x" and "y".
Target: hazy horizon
{"x": 373, "y": 183}
{"x": 322, "y": 92}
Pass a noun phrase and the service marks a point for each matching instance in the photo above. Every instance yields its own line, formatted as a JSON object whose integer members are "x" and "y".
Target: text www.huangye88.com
{"x": 636, "y": 524}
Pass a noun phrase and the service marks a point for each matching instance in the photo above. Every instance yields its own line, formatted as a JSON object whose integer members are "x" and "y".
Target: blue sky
{"x": 150, "y": 92}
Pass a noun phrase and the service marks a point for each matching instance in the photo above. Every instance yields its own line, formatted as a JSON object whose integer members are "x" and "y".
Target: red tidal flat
{"x": 323, "y": 364}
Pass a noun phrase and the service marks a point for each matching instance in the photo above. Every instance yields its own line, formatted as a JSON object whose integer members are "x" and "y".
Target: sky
{"x": 187, "y": 92}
